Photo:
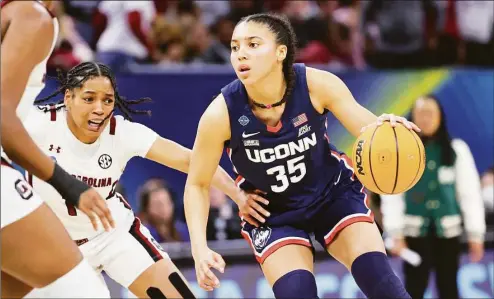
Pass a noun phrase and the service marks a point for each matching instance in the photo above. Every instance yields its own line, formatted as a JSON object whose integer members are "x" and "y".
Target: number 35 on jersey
{"x": 293, "y": 168}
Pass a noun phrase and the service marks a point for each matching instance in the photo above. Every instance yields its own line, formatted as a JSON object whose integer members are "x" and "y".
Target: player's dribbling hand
{"x": 94, "y": 206}
{"x": 250, "y": 209}
{"x": 204, "y": 261}
{"x": 394, "y": 120}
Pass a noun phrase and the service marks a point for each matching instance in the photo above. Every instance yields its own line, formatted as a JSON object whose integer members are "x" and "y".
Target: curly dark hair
{"x": 82, "y": 72}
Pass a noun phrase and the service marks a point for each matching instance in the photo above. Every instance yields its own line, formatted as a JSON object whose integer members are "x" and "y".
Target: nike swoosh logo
{"x": 338, "y": 180}
{"x": 249, "y": 135}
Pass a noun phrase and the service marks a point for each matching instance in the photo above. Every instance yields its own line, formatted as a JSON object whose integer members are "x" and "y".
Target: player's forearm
{"x": 226, "y": 184}
{"x": 20, "y": 147}
{"x": 358, "y": 118}
{"x": 196, "y": 202}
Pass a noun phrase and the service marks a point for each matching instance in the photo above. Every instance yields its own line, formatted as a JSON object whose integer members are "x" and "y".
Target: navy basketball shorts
{"x": 339, "y": 211}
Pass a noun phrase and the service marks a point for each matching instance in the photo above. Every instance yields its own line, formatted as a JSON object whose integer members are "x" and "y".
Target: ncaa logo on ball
{"x": 105, "y": 161}
{"x": 358, "y": 157}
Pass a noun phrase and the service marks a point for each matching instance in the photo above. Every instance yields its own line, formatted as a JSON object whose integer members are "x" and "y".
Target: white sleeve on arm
{"x": 37, "y": 123}
{"x": 468, "y": 191}
{"x": 135, "y": 139}
{"x": 393, "y": 213}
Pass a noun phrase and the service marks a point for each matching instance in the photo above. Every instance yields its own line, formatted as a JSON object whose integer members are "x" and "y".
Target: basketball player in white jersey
{"x": 95, "y": 146}
{"x": 36, "y": 250}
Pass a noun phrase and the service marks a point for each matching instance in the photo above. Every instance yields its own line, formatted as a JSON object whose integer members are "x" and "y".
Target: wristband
{"x": 68, "y": 186}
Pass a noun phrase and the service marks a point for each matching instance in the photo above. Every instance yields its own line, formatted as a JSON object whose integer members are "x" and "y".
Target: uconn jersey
{"x": 309, "y": 184}
{"x": 292, "y": 162}
{"x": 99, "y": 164}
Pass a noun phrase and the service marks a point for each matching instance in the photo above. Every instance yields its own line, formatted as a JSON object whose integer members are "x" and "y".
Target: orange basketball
{"x": 388, "y": 160}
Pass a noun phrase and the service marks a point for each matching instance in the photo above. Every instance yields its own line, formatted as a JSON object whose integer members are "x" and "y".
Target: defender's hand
{"x": 250, "y": 209}
{"x": 92, "y": 204}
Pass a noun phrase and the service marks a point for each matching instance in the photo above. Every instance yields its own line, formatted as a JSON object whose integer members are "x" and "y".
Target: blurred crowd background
{"x": 357, "y": 39}
{"x": 337, "y": 33}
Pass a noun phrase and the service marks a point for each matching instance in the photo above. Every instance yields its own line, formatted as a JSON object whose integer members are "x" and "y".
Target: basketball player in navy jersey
{"x": 36, "y": 249}
{"x": 272, "y": 122}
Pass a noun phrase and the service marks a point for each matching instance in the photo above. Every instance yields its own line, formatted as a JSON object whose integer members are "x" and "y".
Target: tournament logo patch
{"x": 243, "y": 120}
{"x": 24, "y": 190}
{"x": 104, "y": 161}
{"x": 260, "y": 237}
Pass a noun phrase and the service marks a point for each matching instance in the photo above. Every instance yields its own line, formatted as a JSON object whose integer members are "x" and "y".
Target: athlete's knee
{"x": 375, "y": 277}
{"x": 80, "y": 282}
{"x": 296, "y": 284}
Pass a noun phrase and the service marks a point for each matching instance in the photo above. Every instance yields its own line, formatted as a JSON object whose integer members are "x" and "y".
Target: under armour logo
{"x": 57, "y": 149}
{"x": 105, "y": 161}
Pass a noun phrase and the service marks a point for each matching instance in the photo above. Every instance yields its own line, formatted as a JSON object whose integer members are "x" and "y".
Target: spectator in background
{"x": 169, "y": 41}
{"x": 243, "y": 8}
{"x": 222, "y": 29}
{"x": 81, "y": 13}
{"x": 223, "y": 222}
{"x": 428, "y": 217}
{"x": 298, "y": 12}
{"x": 185, "y": 13}
{"x": 331, "y": 36}
{"x": 487, "y": 182}
{"x": 465, "y": 33}
{"x": 157, "y": 212}
{"x": 71, "y": 48}
{"x": 212, "y": 10}
{"x": 446, "y": 41}
{"x": 204, "y": 48}
{"x": 398, "y": 34}
{"x": 123, "y": 32}
{"x": 476, "y": 29}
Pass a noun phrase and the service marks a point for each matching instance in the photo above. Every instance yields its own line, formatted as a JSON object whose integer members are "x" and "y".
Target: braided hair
{"x": 285, "y": 35}
{"x": 82, "y": 72}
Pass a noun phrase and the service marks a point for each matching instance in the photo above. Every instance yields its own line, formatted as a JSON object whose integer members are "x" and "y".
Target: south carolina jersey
{"x": 99, "y": 164}
{"x": 36, "y": 81}
{"x": 293, "y": 162}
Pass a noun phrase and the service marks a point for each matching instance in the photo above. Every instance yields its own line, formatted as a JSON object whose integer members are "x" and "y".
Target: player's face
{"x": 427, "y": 116}
{"x": 89, "y": 105}
{"x": 254, "y": 52}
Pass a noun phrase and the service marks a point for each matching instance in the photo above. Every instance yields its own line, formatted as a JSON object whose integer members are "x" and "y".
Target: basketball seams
{"x": 397, "y": 160}
{"x": 420, "y": 162}
{"x": 370, "y": 159}
{"x": 377, "y": 159}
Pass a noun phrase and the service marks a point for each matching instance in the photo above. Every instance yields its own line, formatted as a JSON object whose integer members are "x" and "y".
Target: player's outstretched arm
{"x": 213, "y": 131}
{"x": 176, "y": 156}
{"x": 25, "y": 43}
{"x": 331, "y": 93}
{"x": 173, "y": 155}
